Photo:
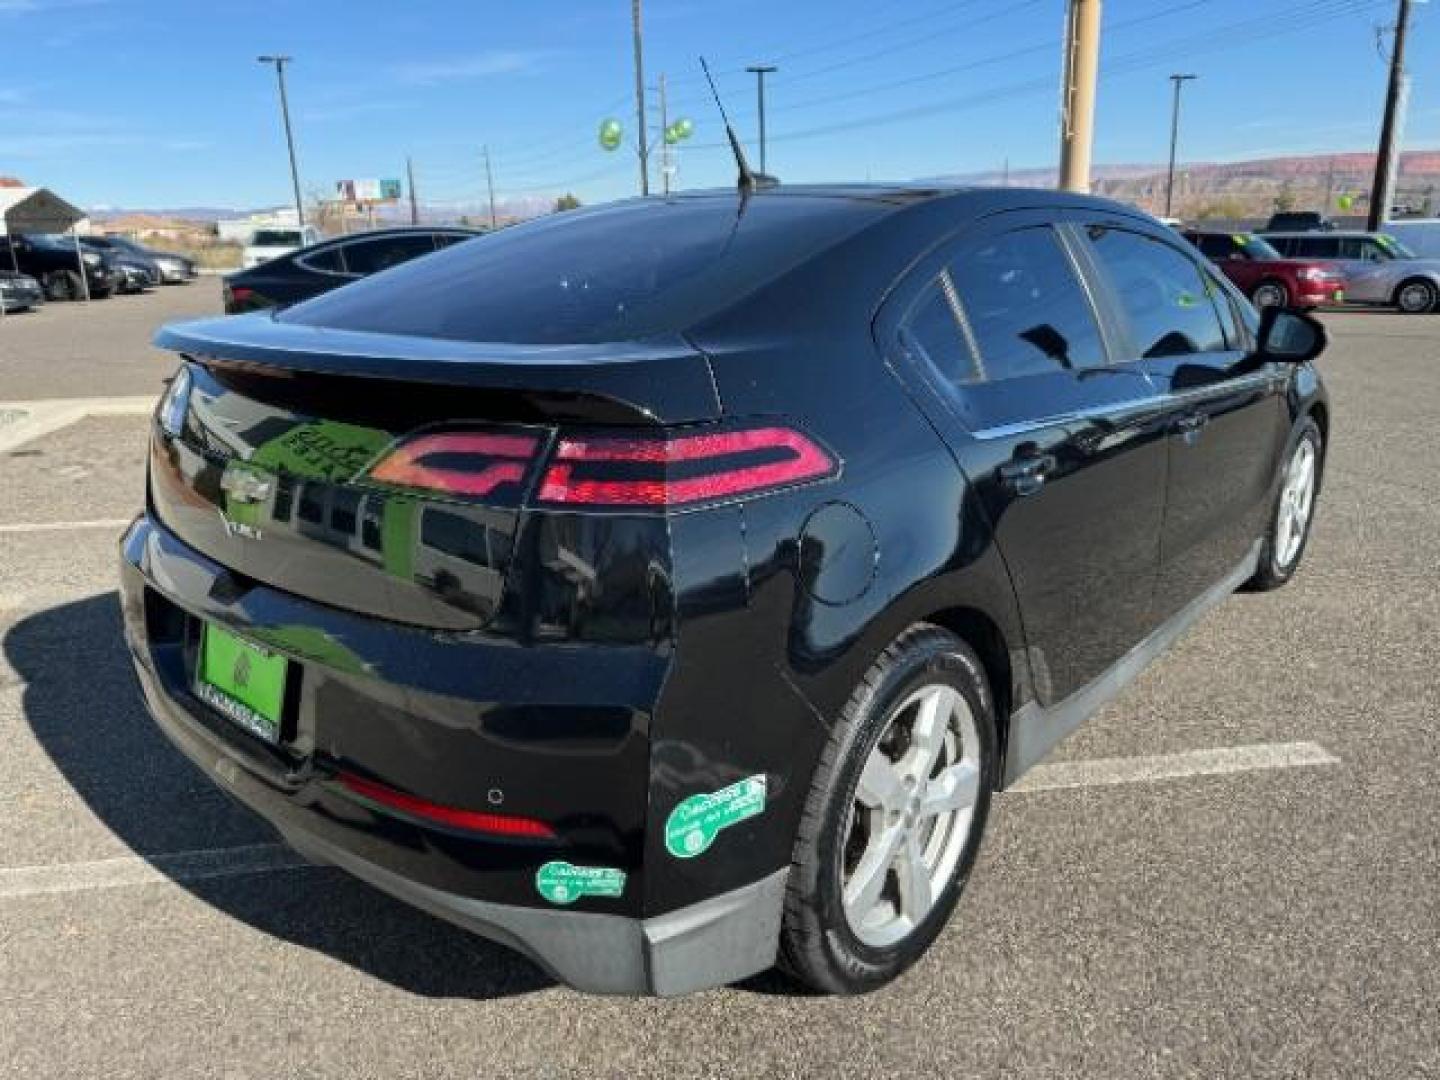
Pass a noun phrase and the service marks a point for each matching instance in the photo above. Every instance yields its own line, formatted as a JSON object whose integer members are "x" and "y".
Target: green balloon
{"x": 672, "y": 135}
{"x": 611, "y": 133}
{"x": 684, "y": 127}
{"x": 1345, "y": 202}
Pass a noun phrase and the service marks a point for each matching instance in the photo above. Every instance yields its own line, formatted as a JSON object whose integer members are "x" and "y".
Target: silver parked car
{"x": 1378, "y": 268}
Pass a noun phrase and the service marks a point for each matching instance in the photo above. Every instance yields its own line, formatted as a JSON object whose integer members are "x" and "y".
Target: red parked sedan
{"x": 1267, "y": 277}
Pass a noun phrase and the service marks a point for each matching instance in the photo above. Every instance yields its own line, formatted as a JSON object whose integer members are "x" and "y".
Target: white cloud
{"x": 465, "y": 68}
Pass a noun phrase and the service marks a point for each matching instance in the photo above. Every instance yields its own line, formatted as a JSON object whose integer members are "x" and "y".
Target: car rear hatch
{"x": 383, "y": 474}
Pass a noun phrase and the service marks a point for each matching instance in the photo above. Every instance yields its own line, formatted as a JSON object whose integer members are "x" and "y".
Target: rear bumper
{"x": 483, "y": 884}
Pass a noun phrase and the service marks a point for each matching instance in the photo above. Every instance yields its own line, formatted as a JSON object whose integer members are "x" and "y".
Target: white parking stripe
{"x": 64, "y": 526}
{"x": 1101, "y": 772}
{"x": 130, "y": 870}
{"x": 127, "y": 871}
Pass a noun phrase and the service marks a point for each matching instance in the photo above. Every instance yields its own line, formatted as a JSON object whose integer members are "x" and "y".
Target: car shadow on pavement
{"x": 86, "y": 711}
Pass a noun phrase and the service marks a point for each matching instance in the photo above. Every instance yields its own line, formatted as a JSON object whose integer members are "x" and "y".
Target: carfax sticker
{"x": 697, "y": 820}
{"x": 564, "y": 883}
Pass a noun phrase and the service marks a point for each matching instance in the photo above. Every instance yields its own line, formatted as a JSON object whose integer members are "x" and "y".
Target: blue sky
{"x": 151, "y": 103}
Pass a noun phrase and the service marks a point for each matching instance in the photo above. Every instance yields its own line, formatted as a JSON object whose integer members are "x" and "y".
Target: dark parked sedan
{"x": 330, "y": 264}
{"x": 664, "y": 588}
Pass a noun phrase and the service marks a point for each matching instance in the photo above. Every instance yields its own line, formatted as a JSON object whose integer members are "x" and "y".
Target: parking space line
{"x": 64, "y": 526}
{"x": 130, "y": 870}
{"x": 1103, "y": 772}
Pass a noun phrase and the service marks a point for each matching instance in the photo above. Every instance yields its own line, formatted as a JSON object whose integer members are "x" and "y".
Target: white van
{"x": 267, "y": 244}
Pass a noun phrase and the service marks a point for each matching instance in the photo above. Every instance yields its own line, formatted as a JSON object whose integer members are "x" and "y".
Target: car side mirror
{"x": 1290, "y": 337}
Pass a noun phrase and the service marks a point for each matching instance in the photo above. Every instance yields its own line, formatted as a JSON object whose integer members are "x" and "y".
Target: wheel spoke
{"x": 881, "y": 786}
{"x": 915, "y": 894}
{"x": 954, "y": 789}
{"x": 932, "y": 722}
{"x": 867, "y": 880}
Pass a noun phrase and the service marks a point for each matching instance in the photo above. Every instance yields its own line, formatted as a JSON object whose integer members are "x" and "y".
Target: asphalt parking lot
{"x": 1269, "y": 911}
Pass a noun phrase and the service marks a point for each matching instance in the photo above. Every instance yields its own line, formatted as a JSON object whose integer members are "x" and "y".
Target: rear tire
{"x": 1416, "y": 296}
{"x": 62, "y": 285}
{"x": 1289, "y": 532}
{"x": 894, "y": 816}
{"x": 1270, "y": 293}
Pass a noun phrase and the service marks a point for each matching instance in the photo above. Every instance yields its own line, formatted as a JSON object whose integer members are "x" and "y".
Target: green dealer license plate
{"x": 243, "y": 681}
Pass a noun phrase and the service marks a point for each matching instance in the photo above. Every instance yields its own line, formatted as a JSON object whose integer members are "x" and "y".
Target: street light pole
{"x": 280, "y": 62}
{"x": 1077, "y": 99}
{"x": 760, "y": 71}
{"x": 1178, "y": 80}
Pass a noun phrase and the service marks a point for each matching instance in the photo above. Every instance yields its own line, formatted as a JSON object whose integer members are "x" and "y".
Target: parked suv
{"x": 330, "y": 264}
{"x": 1264, "y": 275}
{"x": 52, "y": 260}
{"x": 663, "y": 588}
{"x": 267, "y": 244}
{"x": 1378, "y": 268}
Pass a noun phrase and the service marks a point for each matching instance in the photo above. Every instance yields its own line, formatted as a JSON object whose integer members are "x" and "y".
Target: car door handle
{"x": 1191, "y": 423}
{"x": 1026, "y": 475}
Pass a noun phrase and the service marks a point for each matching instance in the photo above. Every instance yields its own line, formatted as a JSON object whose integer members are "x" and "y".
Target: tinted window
{"x": 276, "y": 238}
{"x": 444, "y": 240}
{"x": 1216, "y": 247}
{"x": 1165, "y": 297}
{"x": 1314, "y": 247}
{"x": 327, "y": 259}
{"x": 934, "y": 330}
{"x": 626, "y": 271}
{"x": 372, "y": 256}
{"x": 1026, "y": 310}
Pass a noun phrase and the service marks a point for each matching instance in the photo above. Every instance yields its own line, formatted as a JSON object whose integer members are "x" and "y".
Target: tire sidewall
{"x": 1278, "y": 288}
{"x": 1307, "y": 430}
{"x": 859, "y": 965}
{"x": 1431, "y": 292}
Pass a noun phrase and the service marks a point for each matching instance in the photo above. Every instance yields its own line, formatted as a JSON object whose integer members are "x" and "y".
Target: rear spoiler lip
{"x": 664, "y": 379}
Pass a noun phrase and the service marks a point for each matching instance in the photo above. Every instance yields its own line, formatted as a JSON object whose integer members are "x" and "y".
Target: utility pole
{"x": 642, "y": 136}
{"x": 490, "y": 183}
{"x": 280, "y": 62}
{"x": 1077, "y": 93}
{"x": 1385, "y": 158}
{"x": 414, "y": 205}
{"x": 1179, "y": 81}
{"x": 760, "y": 71}
{"x": 665, "y": 166}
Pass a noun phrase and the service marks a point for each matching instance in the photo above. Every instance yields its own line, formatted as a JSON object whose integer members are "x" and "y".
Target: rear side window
{"x": 1165, "y": 297}
{"x": 444, "y": 240}
{"x": 371, "y": 256}
{"x": 326, "y": 259}
{"x": 1007, "y": 308}
{"x": 1216, "y": 247}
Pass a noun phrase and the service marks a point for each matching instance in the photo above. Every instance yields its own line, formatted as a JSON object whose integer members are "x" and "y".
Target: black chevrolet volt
{"x": 664, "y": 588}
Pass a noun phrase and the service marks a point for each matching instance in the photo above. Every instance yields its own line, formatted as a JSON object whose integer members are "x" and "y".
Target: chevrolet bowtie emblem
{"x": 244, "y": 485}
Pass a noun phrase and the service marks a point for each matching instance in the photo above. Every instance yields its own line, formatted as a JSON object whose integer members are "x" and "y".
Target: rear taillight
{"x": 476, "y": 464}
{"x": 478, "y": 821}
{"x": 633, "y": 470}
{"x": 235, "y": 295}
{"x": 680, "y": 469}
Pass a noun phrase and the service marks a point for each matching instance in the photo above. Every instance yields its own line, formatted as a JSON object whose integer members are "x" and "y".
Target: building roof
{"x": 35, "y": 210}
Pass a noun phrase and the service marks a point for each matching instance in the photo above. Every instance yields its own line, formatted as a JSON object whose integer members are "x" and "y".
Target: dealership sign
{"x": 368, "y": 191}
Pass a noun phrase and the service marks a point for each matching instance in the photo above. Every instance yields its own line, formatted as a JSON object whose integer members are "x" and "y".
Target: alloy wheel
{"x": 1416, "y": 297}
{"x": 911, "y": 816}
{"x": 1270, "y": 295}
{"x": 1297, "y": 499}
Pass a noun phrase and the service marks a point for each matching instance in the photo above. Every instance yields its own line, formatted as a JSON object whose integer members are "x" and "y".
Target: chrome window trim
{"x": 1133, "y": 405}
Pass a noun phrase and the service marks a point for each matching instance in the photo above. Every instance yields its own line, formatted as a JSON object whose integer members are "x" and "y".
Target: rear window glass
{"x": 276, "y": 238}
{"x": 624, "y": 272}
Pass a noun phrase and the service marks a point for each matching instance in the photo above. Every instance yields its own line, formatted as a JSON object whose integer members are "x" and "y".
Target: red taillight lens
{"x": 459, "y": 463}
{"x": 676, "y": 469}
{"x": 238, "y": 294}
{"x": 469, "y": 820}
